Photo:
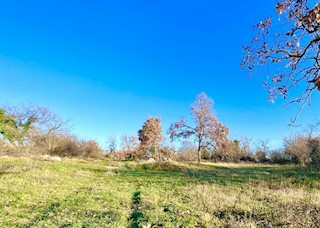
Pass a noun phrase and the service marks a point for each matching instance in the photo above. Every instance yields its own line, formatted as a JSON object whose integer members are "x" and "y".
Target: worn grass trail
{"x": 137, "y": 215}
{"x": 79, "y": 193}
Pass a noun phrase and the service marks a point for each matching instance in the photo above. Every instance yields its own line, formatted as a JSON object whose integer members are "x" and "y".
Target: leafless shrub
{"x": 297, "y": 149}
{"x": 7, "y": 149}
{"x": 278, "y": 157}
{"x": 71, "y": 146}
{"x": 261, "y": 151}
{"x": 186, "y": 152}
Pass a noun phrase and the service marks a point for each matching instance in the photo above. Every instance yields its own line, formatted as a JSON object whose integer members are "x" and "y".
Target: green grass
{"x": 79, "y": 193}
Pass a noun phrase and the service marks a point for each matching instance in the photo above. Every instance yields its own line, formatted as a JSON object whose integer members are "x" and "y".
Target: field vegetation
{"x": 103, "y": 193}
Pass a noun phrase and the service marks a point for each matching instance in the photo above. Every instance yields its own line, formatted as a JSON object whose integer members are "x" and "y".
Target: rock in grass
{"x": 151, "y": 160}
{"x": 52, "y": 158}
{"x": 4, "y": 157}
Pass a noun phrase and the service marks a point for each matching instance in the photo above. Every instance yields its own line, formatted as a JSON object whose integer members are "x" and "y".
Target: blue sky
{"x": 108, "y": 65}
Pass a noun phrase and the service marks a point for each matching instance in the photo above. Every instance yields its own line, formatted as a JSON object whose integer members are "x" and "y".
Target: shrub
{"x": 167, "y": 152}
{"x": 235, "y": 151}
{"x": 71, "y": 146}
{"x": 118, "y": 156}
{"x": 297, "y": 149}
{"x": 185, "y": 156}
{"x": 7, "y": 149}
{"x": 90, "y": 149}
{"x": 206, "y": 155}
{"x": 249, "y": 158}
{"x": 261, "y": 156}
{"x": 278, "y": 157}
{"x": 314, "y": 145}
{"x": 219, "y": 156}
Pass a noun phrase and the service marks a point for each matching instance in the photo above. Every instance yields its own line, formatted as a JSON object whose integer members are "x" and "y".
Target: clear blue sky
{"x": 108, "y": 65}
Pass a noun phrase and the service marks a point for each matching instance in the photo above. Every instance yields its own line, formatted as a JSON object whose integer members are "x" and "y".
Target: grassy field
{"x": 79, "y": 193}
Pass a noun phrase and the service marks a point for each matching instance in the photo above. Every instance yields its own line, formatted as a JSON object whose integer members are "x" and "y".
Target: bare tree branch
{"x": 292, "y": 56}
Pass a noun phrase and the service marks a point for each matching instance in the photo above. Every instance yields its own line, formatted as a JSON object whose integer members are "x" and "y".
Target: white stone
{"x": 52, "y": 158}
{"x": 4, "y": 157}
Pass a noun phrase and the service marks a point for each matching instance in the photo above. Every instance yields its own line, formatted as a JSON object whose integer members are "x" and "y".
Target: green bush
{"x": 314, "y": 145}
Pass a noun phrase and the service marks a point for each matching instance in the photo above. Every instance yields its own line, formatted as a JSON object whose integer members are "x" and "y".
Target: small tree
{"x": 293, "y": 51}
{"x": 207, "y": 130}
{"x": 112, "y": 144}
{"x": 150, "y": 136}
{"x": 129, "y": 143}
{"x": 262, "y": 150}
{"x": 48, "y": 128}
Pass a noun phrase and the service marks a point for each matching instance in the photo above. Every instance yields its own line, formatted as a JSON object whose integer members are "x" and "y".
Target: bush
{"x": 219, "y": 156}
{"x": 167, "y": 152}
{"x": 234, "y": 151}
{"x": 249, "y": 158}
{"x": 127, "y": 155}
{"x": 278, "y": 157}
{"x": 7, "y": 149}
{"x": 206, "y": 155}
{"x": 91, "y": 149}
{"x": 118, "y": 156}
{"x": 314, "y": 145}
{"x": 185, "y": 156}
{"x": 261, "y": 157}
{"x": 297, "y": 149}
{"x": 71, "y": 146}
{"x": 186, "y": 152}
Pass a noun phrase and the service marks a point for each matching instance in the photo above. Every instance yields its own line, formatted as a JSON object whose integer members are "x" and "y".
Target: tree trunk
{"x": 157, "y": 155}
{"x": 199, "y": 154}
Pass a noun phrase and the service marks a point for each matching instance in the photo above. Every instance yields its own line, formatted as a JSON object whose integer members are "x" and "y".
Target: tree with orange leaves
{"x": 207, "y": 131}
{"x": 150, "y": 136}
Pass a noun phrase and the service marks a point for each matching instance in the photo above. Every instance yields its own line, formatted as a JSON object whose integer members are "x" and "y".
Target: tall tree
{"x": 150, "y": 136}
{"x": 291, "y": 44}
{"x": 207, "y": 130}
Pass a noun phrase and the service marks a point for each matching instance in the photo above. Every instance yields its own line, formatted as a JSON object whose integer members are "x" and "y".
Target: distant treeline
{"x": 37, "y": 131}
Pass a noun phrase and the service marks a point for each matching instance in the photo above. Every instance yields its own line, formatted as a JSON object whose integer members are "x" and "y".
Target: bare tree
{"x": 207, "y": 130}
{"x": 291, "y": 54}
{"x": 49, "y": 126}
{"x": 129, "y": 142}
{"x": 262, "y": 149}
{"x": 112, "y": 144}
{"x": 150, "y": 136}
{"x": 312, "y": 129}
